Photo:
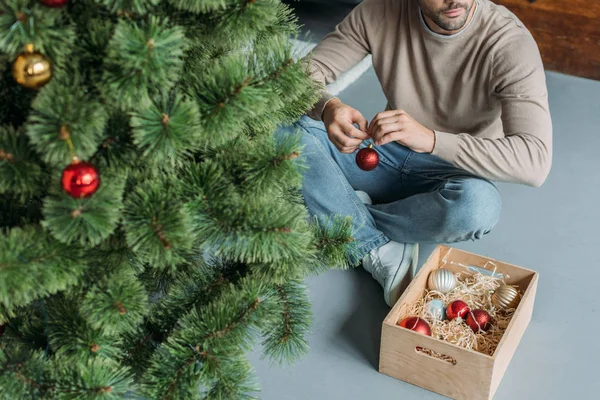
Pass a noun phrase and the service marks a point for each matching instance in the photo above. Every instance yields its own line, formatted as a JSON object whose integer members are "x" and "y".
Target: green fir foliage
{"x": 87, "y": 221}
{"x": 285, "y": 340}
{"x": 63, "y": 111}
{"x": 142, "y": 58}
{"x": 168, "y": 130}
{"x": 195, "y": 246}
{"x": 19, "y": 171}
{"x": 33, "y": 265}
{"x": 158, "y": 227}
{"x": 25, "y": 22}
{"x": 129, "y": 6}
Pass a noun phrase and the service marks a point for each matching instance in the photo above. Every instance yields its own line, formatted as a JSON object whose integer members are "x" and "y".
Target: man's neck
{"x": 437, "y": 29}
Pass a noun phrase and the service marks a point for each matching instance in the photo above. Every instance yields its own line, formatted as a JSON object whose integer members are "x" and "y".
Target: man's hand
{"x": 338, "y": 119}
{"x": 397, "y": 125}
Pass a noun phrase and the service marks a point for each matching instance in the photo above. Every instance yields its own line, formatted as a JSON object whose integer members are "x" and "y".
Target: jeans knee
{"x": 476, "y": 207}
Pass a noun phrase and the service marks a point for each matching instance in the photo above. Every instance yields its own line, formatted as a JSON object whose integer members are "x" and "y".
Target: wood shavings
{"x": 475, "y": 290}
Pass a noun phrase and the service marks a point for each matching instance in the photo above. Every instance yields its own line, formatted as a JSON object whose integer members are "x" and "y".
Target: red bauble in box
{"x": 457, "y": 308}
{"x": 54, "y": 3}
{"x": 479, "y": 319}
{"x": 416, "y": 324}
{"x": 367, "y": 158}
{"x": 80, "y": 179}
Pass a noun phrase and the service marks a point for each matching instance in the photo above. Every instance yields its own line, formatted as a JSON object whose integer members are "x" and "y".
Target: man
{"x": 466, "y": 105}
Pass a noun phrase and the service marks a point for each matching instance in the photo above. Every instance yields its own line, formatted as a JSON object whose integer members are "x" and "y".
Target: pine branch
{"x": 334, "y": 241}
{"x": 157, "y": 225}
{"x": 23, "y": 22}
{"x": 206, "y": 339}
{"x": 32, "y": 265}
{"x": 190, "y": 290}
{"x": 285, "y": 341}
{"x": 93, "y": 379}
{"x": 202, "y": 6}
{"x": 116, "y": 304}
{"x": 24, "y": 373}
{"x": 272, "y": 165}
{"x": 20, "y": 174}
{"x": 71, "y": 335}
{"x": 140, "y": 58}
{"x": 86, "y": 221}
{"x": 236, "y": 380}
{"x": 121, "y": 7}
{"x": 225, "y": 96}
{"x": 63, "y": 112}
{"x": 117, "y": 150}
{"x": 167, "y": 131}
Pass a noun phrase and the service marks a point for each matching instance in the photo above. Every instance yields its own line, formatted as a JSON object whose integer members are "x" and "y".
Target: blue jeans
{"x": 417, "y": 198}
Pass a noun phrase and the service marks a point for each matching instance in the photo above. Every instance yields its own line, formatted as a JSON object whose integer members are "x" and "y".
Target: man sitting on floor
{"x": 466, "y": 105}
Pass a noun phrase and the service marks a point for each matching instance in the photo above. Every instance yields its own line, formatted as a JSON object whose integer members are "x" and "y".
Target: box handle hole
{"x": 435, "y": 355}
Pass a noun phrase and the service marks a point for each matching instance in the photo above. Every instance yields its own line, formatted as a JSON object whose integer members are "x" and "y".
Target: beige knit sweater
{"x": 483, "y": 90}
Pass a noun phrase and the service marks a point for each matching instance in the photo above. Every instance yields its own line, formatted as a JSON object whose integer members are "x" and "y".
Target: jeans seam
{"x": 360, "y": 252}
{"x": 404, "y": 167}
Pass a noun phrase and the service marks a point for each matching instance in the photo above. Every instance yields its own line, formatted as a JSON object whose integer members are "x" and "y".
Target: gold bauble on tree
{"x": 32, "y": 69}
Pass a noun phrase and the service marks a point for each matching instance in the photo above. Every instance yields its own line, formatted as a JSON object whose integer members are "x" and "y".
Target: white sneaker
{"x": 393, "y": 265}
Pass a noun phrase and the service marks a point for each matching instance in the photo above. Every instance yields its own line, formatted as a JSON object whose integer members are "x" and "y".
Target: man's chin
{"x": 451, "y": 25}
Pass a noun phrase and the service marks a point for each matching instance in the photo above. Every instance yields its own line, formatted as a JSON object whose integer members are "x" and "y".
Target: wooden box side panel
{"x": 399, "y": 359}
{"x": 457, "y": 260}
{"x": 513, "y": 335}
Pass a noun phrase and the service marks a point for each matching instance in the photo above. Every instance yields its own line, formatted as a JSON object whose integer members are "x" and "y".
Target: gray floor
{"x": 553, "y": 229}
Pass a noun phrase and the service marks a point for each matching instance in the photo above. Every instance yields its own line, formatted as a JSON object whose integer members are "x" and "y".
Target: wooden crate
{"x": 470, "y": 375}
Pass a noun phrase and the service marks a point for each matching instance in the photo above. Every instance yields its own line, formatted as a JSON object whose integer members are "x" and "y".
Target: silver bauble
{"x": 442, "y": 280}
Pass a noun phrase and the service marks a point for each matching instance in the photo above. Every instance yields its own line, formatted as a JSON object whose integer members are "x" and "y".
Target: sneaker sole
{"x": 404, "y": 275}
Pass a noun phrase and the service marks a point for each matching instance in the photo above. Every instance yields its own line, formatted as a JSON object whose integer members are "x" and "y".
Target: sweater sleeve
{"x": 524, "y": 152}
{"x": 343, "y": 48}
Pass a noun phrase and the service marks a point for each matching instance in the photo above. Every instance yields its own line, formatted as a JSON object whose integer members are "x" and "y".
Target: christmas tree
{"x": 152, "y": 230}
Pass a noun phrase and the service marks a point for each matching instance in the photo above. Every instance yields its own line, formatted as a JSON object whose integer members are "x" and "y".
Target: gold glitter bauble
{"x": 32, "y": 69}
{"x": 505, "y": 297}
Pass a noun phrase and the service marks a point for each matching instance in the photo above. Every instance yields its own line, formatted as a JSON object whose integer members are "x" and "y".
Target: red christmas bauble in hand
{"x": 457, "y": 308}
{"x": 80, "y": 179}
{"x": 54, "y": 3}
{"x": 416, "y": 324}
{"x": 479, "y": 319}
{"x": 367, "y": 158}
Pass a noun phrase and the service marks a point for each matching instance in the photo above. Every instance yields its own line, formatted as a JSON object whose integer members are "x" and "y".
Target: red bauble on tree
{"x": 367, "y": 158}
{"x": 457, "y": 308}
{"x": 416, "y": 324}
{"x": 54, "y": 3}
{"x": 80, "y": 179}
{"x": 479, "y": 320}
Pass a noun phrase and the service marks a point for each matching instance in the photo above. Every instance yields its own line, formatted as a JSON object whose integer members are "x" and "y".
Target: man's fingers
{"x": 353, "y": 131}
{"x": 382, "y": 115}
{"x": 392, "y": 137}
{"x": 343, "y": 141}
{"x": 361, "y": 121}
{"x": 385, "y": 129}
